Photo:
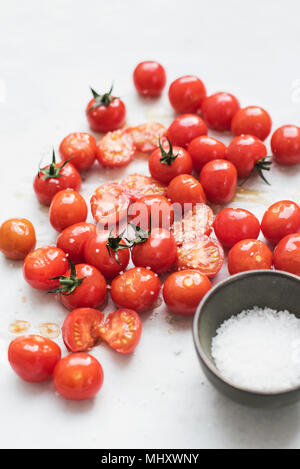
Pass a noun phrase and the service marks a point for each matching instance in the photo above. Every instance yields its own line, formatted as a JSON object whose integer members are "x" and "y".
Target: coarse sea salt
{"x": 259, "y": 350}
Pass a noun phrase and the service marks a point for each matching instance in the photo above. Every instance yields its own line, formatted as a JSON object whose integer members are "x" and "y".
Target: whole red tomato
{"x": 186, "y": 94}
{"x": 286, "y": 255}
{"x": 285, "y": 145}
{"x": 219, "y": 109}
{"x": 281, "y": 219}
{"x": 72, "y": 240}
{"x": 67, "y": 208}
{"x": 204, "y": 149}
{"x": 43, "y": 265}
{"x": 122, "y": 330}
{"x": 185, "y": 189}
{"x": 105, "y": 112}
{"x": 165, "y": 165}
{"x": 249, "y": 254}
{"x": 81, "y": 147}
{"x": 185, "y": 128}
{"x": 252, "y": 120}
{"x": 154, "y": 210}
{"x": 149, "y": 78}
{"x": 219, "y": 179}
{"x": 231, "y": 225}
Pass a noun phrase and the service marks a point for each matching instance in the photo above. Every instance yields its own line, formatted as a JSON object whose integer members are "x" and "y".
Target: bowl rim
{"x": 200, "y": 351}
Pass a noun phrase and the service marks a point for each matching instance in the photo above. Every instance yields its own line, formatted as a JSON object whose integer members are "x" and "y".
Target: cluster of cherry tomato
{"x": 88, "y": 259}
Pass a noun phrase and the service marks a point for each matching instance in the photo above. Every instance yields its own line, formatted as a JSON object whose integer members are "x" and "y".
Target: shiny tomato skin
{"x": 194, "y": 224}
{"x": 45, "y": 189}
{"x": 122, "y": 330}
{"x": 183, "y": 291}
{"x": 244, "y": 152}
{"x": 109, "y": 204}
{"x": 185, "y": 128}
{"x": 115, "y": 149}
{"x": 204, "y": 149}
{"x": 204, "y": 254}
{"x": 231, "y": 225}
{"x": 219, "y": 180}
{"x": 285, "y": 145}
{"x": 91, "y": 293}
{"x": 286, "y": 255}
{"x": 33, "y": 357}
{"x": 280, "y": 219}
{"x": 80, "y": 329}
{"x": 159, "y": 252}
{"x": 67, "y": 208}
{"x": 17, "y": 238}
{"x": 96, "y": 254}
{"x": 185, "y": 189}
{"x": 106, "y": 118}
{"x": 78, "y": 377}
{"x": 146, "y": 136}
{"x": 164, "y": 172}
{"x": 186, "y": 94}
{"x": 72, "y": 240}
{"x": 81, "y": 147}
{"x": 41, "y": 265}
{"x": 249, "y": 254}
{"x": 252, "y": 120}
{"x": 149, "y": 78}
{"x": 219, "y": 109}
{"x": 155, "y": 207}
{"x": 137, "y": 185}
{"x": 137, "y": 289}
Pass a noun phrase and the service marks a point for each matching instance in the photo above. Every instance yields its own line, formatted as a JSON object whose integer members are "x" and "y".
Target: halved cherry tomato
{"x": 154, "y": 210}
{"x": 81, "y": 147}
{"x": 281, "y": 219}
{"x": 194, "y": 224}
{"x": 185, "y": 189}
{"x": 78, "y": 377}
{"x": 107, "y": 252}
{"x": 253, "y": 120}
{"x": 122, "y": 330}
{"x": 67, "y": 208}
{"x": 115, "y": 149}
{"x": 186, "y": 94}
{"x": 204, "y": 254}
{"x": 33, "y": 357}
{"x": 105, "y": 112}
{"x": 204, "y": 149}
{"x": 219, "y": 109}
{"x": 231, "y": 225}
{"x": 54, "y": 178}
{"x": 219, "y": 179}
{"x": 165, "y": 165}
{"x": 17, "y": 238}
{"x": 285, "y": 145}
{"x": 42, "y": 265}
{"x": 109, "y": 204}
{"x": 149, "y": 78}
{"x": 183, "y": 291}
{"x": 80, "y": 329}
{"x": 286, "y": 255}
{"x": 137, "y": 289}
{"x": 249, "y": 254}
{"x": 146, "y": 136}
{"x": 137, "y": 185}
{"x": 185, "y": 128}
{"x": 72, "y": 240}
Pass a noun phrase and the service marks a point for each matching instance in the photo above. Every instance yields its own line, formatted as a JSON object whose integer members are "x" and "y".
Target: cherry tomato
{"x": 204, "y": 149}
{"x": 107, "y": 252}
{"x": 185, "y": 189}
{"x": 137, "y": 186}
{"x": 54, "y": 178}
{"x": 33, "y": 357}
{"x": 149, "y": 78}
{"x": 204, "y": 254}
{"x": 67, "y": 208}
{"x": 109, "y": 204}
{"x": 219, "y": 109}
{"x": 78, "y": 377}
{"x": 155, "y": 208}
{"x": 281, "y": 219}
{"x": 285, "y": 145}
{"x": 80, "y": 329}
{"x": 165, "y": 165}
{"x": 72, "y": 240}
{"x": 17, "y": 238}
{"x": 42, "y": 265}
{"x": 105, "y": 112}
{"x": 184, "y": 290}
{"x": 115, "y": 149}
{"x": 185, "y": 128}
{"x": 137, "y": 289}
{"x": 81, "y": 147}
{"x": 234, "y": 224}
{"x": 247, "y": 153}
{"x": 286, "y": 255}
{"x": 252, "y": 120}
{"x": 158, "y": 252}
{"x": 146, "y": 136}
{"x": 122, "y": 330}
{"x": 83, "y": 286}
{"x": 219, "y": 179}
{"x": 194, "y": 224}
{"x": 249, "y": 254}
{"x": 186, "y": 94}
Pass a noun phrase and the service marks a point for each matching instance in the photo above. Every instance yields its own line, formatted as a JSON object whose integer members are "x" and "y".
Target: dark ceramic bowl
{"x": 274, "y": 289}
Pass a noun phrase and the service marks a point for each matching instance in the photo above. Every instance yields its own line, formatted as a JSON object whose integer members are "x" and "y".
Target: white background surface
{"x": 50, "y": 53}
